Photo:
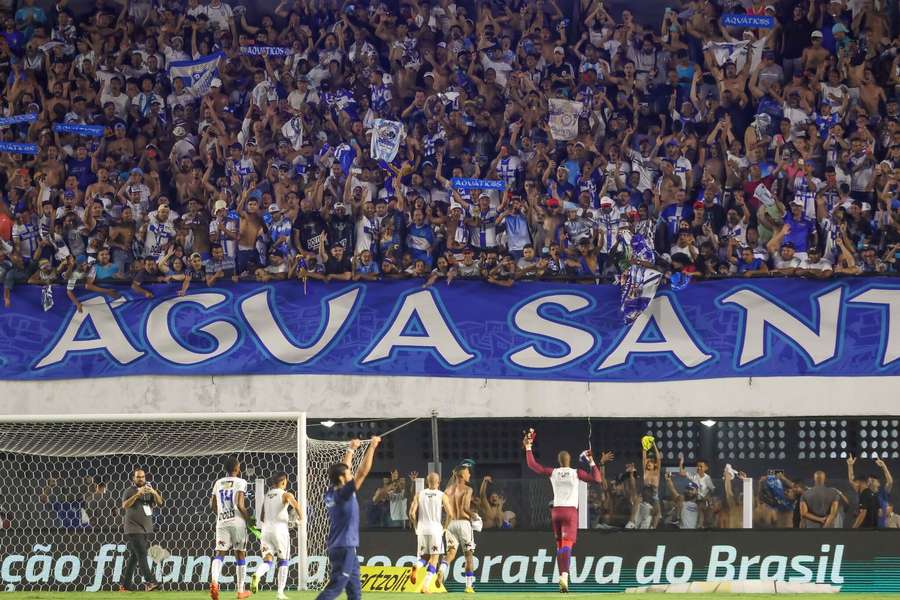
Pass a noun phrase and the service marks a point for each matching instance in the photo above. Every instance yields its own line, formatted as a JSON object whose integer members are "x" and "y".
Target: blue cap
{"x": 137, "y": 171}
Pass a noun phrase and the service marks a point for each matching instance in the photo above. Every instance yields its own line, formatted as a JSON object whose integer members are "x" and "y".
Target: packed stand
{"x": 726, "y": 152}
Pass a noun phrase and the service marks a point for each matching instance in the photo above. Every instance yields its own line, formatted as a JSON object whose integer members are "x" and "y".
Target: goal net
{"x": 62, "y": 486}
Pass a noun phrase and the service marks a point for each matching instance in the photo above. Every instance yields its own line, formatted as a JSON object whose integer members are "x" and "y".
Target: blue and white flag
{"x": 266, "y": 50}
{"x": 18, "y": 148}
{"x": 83, "y": 130}
{"x": 345, "y": 155}
{"x": 386, "y": 138}
{"x": 639, "y": 283}
{"x": 196, "y": 74}
{"x": 470, "y": 183}
{"x": 16, "y": 119}
{"x": 564, "y": 118}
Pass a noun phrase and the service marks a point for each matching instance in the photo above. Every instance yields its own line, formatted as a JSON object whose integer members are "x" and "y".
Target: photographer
{"x": 138, "y": 502}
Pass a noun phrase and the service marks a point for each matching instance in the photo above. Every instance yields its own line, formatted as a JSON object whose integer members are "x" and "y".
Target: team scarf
{"x": 16, "y": 119}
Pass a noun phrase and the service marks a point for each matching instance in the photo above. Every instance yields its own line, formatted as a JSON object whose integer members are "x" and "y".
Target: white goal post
{"x": 61, "y": 481}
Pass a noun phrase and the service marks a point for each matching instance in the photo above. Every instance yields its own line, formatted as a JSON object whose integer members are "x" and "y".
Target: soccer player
{"x": 460, "y": 533}
{"x": 228, "y": 502}
{"x": 275, "y": 541}
{"x": 429, "y": 514}
{"x": 343, "y": 512}
{"x": 564, "y": 514}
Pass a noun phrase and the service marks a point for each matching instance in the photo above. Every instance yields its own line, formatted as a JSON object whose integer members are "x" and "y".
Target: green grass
{"x": 270, "y": 595}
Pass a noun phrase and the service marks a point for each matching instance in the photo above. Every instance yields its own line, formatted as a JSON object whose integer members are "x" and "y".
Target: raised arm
{"x": 594, "y": 476}
{"x": 532, "y": 463}
{"x": 360, "y": 476}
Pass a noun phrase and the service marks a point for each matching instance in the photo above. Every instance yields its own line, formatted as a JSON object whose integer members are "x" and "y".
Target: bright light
{"x": 331, "y": 423}
{"x": 708, "y": 422}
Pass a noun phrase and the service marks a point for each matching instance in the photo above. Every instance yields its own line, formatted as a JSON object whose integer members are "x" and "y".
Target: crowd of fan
{"x": 732, "y": 151}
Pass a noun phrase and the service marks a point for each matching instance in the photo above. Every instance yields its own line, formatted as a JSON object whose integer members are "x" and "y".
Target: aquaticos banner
{"x": 505, "y": 561}
{"x": 550, "y": 331}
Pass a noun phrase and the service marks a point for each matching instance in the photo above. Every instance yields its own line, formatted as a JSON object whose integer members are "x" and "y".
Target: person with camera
{"x": 138, "y": 503}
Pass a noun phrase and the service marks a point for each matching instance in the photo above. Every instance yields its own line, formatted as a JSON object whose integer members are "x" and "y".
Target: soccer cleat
{"x": 470, "y": 590}
{"x": 439, "y": 580}
{"x": 122, "y": 588}
{"x": 214, "y": 591}
{"x": 254, "y": 583}
{"x": 280, "y": 596}
{"x": 151, "y": 586}
{"x": 564, "y": 583}
{"x": 413, "y": 574}
{"x": 244, "y": 594}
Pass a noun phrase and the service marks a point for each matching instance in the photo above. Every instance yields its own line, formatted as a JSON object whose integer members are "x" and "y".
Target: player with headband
{"x": 564, "y": 514}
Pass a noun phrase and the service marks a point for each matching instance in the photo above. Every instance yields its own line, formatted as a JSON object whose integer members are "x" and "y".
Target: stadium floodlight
{"x": 328, "y": 423}
{"x": 708, "y": 423}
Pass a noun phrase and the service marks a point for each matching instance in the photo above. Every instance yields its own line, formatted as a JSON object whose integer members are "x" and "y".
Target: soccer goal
{"x": 62, "y": 481}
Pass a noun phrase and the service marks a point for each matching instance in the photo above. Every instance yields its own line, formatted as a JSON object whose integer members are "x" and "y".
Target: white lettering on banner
{"x": 109, "y": 335}
{"x": 46, "y": 566}
{"x": 818, "y": 344}
{"x": 161, "y": 337}
{"x": 436, "y": 332}
{"x": 675, "y": 338}
{"x": 259, "y": 315}
{"x": 528, "y": 318}
{"x": 891, "y": 300}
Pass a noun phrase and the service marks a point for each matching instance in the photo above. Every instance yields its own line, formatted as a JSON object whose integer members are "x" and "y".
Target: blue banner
{"x": 727, "y": 328}
{"x": 197, "y": 75}
{"x": 18, "y": 148}
{"x": 16, "y": 119}
{"x": 266, "y": 50}
{"x": 748, "y": 21}
{"x": 83, "y": 130}
{"x": 470, "y": 183}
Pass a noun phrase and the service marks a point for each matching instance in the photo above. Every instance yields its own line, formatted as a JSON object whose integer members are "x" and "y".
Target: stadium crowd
{"x": 731, "y": 152}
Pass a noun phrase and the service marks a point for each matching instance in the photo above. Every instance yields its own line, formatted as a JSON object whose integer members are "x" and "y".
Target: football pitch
{"x": 268, "y": 595}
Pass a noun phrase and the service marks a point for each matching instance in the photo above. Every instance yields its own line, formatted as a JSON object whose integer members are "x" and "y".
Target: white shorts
{"x": 461, "y": 531}
{"x": 429, "y": 544}
{"x": 231, "y": 536}
{"x": 276, "y": 541}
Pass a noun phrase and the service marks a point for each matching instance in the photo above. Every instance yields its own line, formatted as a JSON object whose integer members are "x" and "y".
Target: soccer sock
{"x": 282, "y": 575}
{"x": 431, "y": 572}
{"x": 563, "y": 555}
{"x": 470, "y": 579}
{"x": 263, "y": 568}
{"x": 444, "y": 569}
{"x": 241, "y": 568}
{"x": 421, "y": 563}
{"x": 216, "y": 569}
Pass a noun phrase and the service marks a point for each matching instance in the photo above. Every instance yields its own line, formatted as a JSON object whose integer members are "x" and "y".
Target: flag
{"x": 638, "y": 284}
{"x": 386, "y": 138}
{"x": 345, "y": 155}
{"x": 47, "y": 297}
{"x": 293, "y": 131}
{"x": 564, "y": 118}
{"x": 391, "y": 176}
{"x": 196, "y": 74}
{"x": 763, "y": 194}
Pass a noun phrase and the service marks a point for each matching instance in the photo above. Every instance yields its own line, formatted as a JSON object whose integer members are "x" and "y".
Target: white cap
{"x": 216, "y": 82}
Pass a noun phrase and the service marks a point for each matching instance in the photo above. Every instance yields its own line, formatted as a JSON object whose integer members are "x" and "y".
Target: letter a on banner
{"x": 435, "y": 333}
{"x": 109, "y": 338}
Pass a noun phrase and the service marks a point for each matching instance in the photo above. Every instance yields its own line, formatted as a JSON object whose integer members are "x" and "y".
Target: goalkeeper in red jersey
{"x": 564, "y": 514}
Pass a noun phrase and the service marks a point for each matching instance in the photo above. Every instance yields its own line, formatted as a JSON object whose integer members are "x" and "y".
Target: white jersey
{"x": 565, "y": 487}
{"x": 275, "y": 509}
{"x": 428, "y": 520}
{"x": 226, "y": 492}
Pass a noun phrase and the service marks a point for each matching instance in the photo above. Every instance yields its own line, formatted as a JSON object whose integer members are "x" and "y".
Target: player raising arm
{"x": 429, "y": 515}
{"x": 228, "y": 502}
{"x": 343, "y": 512}
{"x": 564, "y": 514}
{"x": 275, "y": 540}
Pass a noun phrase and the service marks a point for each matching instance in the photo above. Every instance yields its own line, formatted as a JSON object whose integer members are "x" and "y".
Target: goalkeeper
{"x": 275, "y": 540}
{"x": 564, "y": 514}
